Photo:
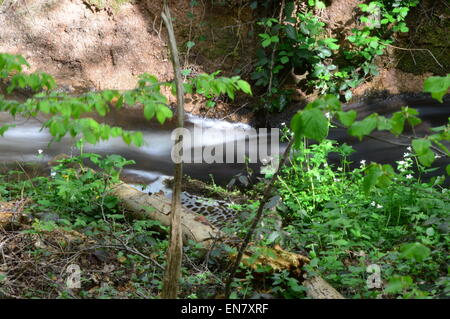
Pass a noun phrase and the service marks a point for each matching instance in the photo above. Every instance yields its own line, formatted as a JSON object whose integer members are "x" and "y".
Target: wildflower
{"x": 283, "y": 124}
{"x": 328, "y": 115}
{"x": 409, "y": 176}
{"x": 379, "y": 206}
{"x": 373, "y": 204}
{"x": 40, "y": 151}
{"x": 406, "y": 154}
{"x": 339, "y": 169}
{"x": 409, "y": 148}
{"x": 53, "y": 174}
{"x": 401, "y": 162}
{"x": 363, "y": 164}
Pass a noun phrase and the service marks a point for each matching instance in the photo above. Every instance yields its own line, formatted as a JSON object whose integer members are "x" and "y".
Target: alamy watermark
{"x": 236, "y": 145}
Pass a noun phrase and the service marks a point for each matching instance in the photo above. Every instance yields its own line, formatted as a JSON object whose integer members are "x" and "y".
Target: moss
{"x": 430, "y": 34}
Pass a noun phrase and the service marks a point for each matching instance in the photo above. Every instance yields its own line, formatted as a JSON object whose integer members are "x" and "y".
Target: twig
{"x": 175, "y": 251}
{"x": 416, "y": 49}
{"x": 235, "y": 111}
{"x": 272, "y": 59}
{"x": 256, "y": 219}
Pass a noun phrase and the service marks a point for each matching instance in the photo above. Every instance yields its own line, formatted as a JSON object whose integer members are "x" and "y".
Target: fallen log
{"x": 196, "y": 227}
{"x": 157, "y": 207}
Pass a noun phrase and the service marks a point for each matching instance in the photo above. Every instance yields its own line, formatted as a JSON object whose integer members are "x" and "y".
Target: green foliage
{"x": 299, "y": 42}
{"x": 437, "y": 86}
{"x": 401, "y": 226}
{"x": 312, "y": 123}
{"x": 73, "y": 188}
{"x": 67, "y": 111}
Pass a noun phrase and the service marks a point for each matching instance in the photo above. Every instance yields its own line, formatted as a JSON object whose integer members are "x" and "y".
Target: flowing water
{"x": 153, "y": 160}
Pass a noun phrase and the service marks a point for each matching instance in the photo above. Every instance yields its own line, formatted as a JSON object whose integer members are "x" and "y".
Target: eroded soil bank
{"x": 92, "y": 47}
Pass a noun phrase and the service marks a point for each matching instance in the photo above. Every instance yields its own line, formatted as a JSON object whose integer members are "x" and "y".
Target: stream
{"x": 153, "y": 160}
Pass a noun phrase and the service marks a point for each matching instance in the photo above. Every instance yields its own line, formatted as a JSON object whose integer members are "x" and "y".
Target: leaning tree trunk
{"x": 175, "y": 252}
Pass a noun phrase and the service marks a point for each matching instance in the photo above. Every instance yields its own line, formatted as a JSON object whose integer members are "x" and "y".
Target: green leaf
{"x": 347, "y": 118}
{"x": 437, "y": 86}
{"x": 90, "y": 136}
{"x": 364, "y": 127}
{"x": 57, "y": 128}
{"x": 397, "y": 123}
{"x": 284, "y": 59}
{"x": 266, "y": 43}
{"x": 310, "y": 123}
{"x": 414, "y": 251}
{"x": 137, "y": 139}
{"x": 398, "y": 283}
{"x": 422, "y": 149}
{"x": 373, "y": 172}
{"x": 384, "y": 123}
{"x": 4, "y": 128}
{"x": 162, "y": 113}
{"x": 149, "y": 110}
{"x": 190, "y": 44}
{"x": 448, "y": 169}
{"x": 421, "y": 146}
{"x": 244, "y": 86}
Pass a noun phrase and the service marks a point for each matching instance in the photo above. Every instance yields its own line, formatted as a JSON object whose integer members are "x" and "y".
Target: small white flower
{"x": 401, "y": 162}
{"x": 409, "y": 176}
{"x": 437, "y": 156}
{"x": 379, "y": 206}
{"x": 328, "y": 115}
{"x": 373, "y": 204}
{"x": 406, "y": 154}
{"x": 409, "y": 148}
{"x": 363, "y": 162}
{"x": 283, "y": 124}
{"x": 53, "y": 174}
{"x": 339, "y": 169}
{"x": 40, "y": 151}
{"x": 336, "y": 179}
